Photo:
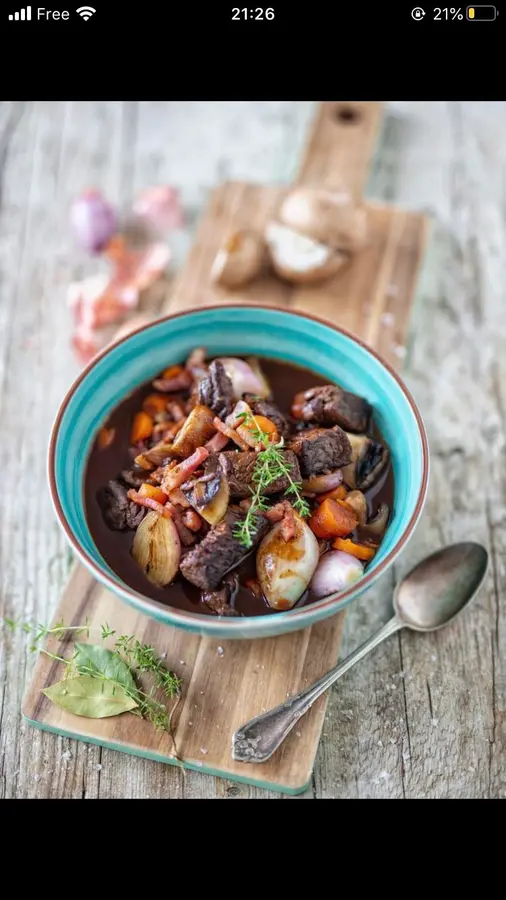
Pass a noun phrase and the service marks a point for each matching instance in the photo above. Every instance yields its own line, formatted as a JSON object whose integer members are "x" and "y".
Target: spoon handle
{"x": 257, "y": 740}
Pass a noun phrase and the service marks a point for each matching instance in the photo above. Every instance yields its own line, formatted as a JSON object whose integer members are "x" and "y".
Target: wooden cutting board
{"x": 227, "y": 683}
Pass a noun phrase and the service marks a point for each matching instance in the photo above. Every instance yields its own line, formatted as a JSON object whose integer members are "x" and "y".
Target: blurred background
{"x": 444, "y": 158}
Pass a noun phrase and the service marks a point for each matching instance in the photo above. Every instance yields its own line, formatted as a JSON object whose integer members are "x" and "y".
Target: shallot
{"x": 319, "y": 484}
{"x": 157, "y": 548}
{"x": 285, "y": 568}
{"x": 244, "y": 379}
{"x": 93, "y": 220}
{"x": 336, "y": 571}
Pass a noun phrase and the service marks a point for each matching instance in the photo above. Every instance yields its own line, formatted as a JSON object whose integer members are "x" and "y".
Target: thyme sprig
{"x": 139, "y": 659}
{"x": 270, "y": 465}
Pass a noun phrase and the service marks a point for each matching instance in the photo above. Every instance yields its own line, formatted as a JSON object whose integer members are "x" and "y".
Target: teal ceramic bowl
{"x": 234, "y": 330}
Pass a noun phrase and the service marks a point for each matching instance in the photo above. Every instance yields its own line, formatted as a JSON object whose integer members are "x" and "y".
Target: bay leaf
{"x": 104, "y": 662}
{"x": 91, "y": 697}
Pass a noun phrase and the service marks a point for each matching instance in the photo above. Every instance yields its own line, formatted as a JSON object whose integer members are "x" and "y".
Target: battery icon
{"x": 481, "y": 13}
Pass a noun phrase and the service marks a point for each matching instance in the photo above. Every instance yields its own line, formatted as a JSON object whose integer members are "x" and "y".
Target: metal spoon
{"x": 429, "y": 597}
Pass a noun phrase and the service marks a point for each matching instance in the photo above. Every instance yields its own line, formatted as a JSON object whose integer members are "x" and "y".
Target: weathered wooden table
{"x": 424, "y": 716}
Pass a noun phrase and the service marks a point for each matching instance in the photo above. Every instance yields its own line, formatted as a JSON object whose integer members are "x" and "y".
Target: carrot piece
{"x": 262, "y": 423}
{"x": 105, "y": 437}
{"x": 156, "y": 493}
{"x": 172, "y": 371}
{"x": 332, "y": 520}
{"x": 155, "y": 403}
{"x": 142, "y": 427}
{"x": 359, "y": 551}
{"x": 338, "y": 493}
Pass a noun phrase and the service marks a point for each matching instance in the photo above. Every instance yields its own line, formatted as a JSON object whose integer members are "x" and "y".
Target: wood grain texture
{"x": 384, "y": 736}
{"x": 338, "y": 149}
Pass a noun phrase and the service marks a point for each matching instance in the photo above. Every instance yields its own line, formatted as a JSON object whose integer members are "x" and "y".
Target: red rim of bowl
{"x": 175, "y": 616}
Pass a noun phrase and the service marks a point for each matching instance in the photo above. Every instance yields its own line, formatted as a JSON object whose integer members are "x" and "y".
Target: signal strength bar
{"x": 24, "y": 15}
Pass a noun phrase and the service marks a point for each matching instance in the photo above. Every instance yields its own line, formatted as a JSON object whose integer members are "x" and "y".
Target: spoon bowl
{"x": 440, "y": 586}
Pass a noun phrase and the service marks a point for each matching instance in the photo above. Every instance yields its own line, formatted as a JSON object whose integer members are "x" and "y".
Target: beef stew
{"x": 239, "y": 487}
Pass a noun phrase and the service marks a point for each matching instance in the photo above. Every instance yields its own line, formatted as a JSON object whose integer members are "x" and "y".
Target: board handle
{"x": 340, "y": 145}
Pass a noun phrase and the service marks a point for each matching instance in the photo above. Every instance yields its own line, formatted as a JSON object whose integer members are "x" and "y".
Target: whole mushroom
{"x": 239, "y": 259}
{"x": 298, "y": 258}
{"x": 328, "y": 216}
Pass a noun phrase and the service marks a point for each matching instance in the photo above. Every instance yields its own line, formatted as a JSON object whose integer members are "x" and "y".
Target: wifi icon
{"x": 85, "y": 12}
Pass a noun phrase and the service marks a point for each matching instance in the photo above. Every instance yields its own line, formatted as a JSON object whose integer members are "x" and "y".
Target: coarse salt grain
{"x": 36, "y": 777}
{"x": 221, "y": 651}
{"x": 67, "y": 755}
{"x": 98, "y": 767}
{"x": 204, "y": 750}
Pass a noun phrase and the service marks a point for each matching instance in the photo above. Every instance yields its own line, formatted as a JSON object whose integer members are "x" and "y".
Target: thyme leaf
{"x": 269, "y": 466}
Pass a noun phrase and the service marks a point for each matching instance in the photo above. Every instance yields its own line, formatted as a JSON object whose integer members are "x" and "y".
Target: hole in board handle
{"x": 347, "y": 115}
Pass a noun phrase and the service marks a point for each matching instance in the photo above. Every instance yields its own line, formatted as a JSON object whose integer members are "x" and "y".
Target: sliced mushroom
{"x": 210, "y": 493}
{"x": 369, "y": 459}
{"x": 196, "y": 431}
{"x": 358, "y": 503}
{"x": 239, "y": 260}
{"x": 376, "y": 527}
{"x": 301, "y": 259}
{"x": 328, "y": 216}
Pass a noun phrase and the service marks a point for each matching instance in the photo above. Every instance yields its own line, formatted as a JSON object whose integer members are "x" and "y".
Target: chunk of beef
{"x": 216, "y": 391}
{"x": 134, "y": 477}
{"x": 239, "y": 467}
{"x": 221, "y": 600}
{"x": 219, "y": 551}
{"x": 321, "y": 450}
{"x": 270, "y": 411}
{"x": 118, "y": 511}
{"x": 331, "y": 405}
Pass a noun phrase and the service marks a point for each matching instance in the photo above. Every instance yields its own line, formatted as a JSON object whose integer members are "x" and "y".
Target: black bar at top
{"x": 482, "y": 13}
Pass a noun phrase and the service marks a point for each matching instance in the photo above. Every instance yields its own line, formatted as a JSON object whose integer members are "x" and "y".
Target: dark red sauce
{"x": 104, "y": 465}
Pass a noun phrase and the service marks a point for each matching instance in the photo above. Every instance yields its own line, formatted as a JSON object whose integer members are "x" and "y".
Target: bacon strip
{"x": 177, "y": 410}
{"x": 230, "y": 433}
{"x": 192, "y": 520}
{"x": 180, "y": 382}
{"x": 283, "y": 512}
{"x": 167, "y": 430}
{"x": 177, "y": 476}
{"x": 149, "y": 503}
{"x": 217, "y": 442}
